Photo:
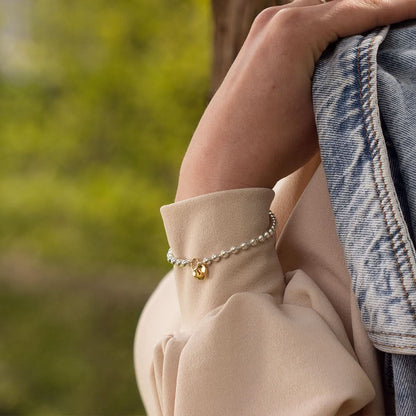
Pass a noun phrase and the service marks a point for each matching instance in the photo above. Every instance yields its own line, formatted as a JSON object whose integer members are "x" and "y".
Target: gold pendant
{"x": 199, "y": 269}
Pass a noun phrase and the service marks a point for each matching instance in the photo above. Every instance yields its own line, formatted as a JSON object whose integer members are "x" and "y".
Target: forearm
{"x": 207, "y": 170}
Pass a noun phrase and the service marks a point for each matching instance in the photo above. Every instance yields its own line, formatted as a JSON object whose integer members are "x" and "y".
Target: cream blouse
{"x": 274, "y": 330}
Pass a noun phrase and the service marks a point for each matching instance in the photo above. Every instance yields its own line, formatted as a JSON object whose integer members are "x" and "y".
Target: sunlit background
{"x": 98, "y": 100}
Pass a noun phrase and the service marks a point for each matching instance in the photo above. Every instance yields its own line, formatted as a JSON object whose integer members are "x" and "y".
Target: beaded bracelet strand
{"x": 200, "y": 266}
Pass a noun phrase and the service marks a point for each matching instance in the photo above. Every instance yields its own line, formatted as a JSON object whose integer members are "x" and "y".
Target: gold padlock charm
{"x": 199, "y": 269}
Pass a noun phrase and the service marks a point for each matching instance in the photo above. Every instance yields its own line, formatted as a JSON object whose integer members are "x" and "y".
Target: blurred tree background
{"x": 98, "y": 101}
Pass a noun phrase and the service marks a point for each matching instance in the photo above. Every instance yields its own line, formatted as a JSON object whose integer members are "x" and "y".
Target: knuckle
{"x": 289, "y": 18}
{"x": 288, "y": 21}
{"x": 264, "y": 17}
{"x": 364, "y": 3}
{"x": 295, "y": 33}
{"x": 286, "y": 29}
{"x": 373, "y": 3}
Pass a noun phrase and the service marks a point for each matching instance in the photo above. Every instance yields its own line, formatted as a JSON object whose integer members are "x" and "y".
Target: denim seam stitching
{"x": 392, "y": 334}
{"x": 394, "y": 346}
{"x": 381, "y": 171}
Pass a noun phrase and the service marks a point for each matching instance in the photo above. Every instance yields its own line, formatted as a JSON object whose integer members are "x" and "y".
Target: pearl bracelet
{"x": 200, "y": 267}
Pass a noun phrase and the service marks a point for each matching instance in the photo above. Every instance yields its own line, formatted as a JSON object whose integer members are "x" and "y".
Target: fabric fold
{"x": 249, "y": 339}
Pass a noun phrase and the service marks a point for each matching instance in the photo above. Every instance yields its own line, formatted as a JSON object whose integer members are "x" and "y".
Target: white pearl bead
{"x": 253, "y": 242}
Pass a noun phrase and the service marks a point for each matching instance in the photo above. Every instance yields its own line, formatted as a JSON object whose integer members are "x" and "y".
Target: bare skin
{"x": 259, "y": 127}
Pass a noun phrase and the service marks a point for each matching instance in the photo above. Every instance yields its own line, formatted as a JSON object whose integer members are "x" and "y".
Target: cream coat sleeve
{"x": 248, "y": 340}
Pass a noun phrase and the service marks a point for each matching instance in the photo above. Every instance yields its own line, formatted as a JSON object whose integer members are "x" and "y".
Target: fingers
{"x": 303, "y": 29}
{"x": 313, "y": 25}
{"x": 349, "y": 17}
{"x": 341, "y": 18}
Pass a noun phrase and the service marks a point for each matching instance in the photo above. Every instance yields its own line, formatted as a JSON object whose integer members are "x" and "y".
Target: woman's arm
{"x": 250, "y": 339}
{"x": 259, "y": 126}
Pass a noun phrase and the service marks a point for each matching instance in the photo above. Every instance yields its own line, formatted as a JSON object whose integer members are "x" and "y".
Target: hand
{"x": 259, "y": 126}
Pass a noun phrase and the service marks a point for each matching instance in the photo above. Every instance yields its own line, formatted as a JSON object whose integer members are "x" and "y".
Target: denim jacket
{"x": 364, "y": 93}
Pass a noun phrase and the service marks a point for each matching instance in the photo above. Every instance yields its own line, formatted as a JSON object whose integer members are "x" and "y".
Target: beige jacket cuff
{"x": 207, "y": 224}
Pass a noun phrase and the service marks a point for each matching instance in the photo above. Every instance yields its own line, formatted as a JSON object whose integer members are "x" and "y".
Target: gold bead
{"x": 199, "y": 269}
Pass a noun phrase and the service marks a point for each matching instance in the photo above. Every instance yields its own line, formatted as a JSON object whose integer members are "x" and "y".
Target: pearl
{"x": 244, "y": 246}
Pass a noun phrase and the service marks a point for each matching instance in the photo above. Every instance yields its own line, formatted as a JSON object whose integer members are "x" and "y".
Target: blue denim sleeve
{"x": 364, "y": 93}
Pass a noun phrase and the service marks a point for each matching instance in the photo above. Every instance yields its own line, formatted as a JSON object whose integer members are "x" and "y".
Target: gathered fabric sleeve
{"x": 248, "y": 340}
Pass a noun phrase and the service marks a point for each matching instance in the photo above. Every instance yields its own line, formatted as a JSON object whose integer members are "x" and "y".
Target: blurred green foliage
{"x": 94, "y": 120}
{"x": 98, "y": 101}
